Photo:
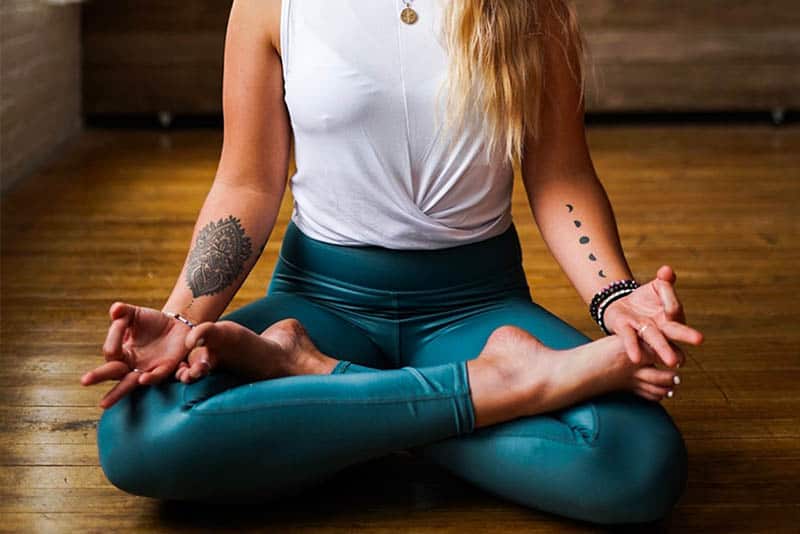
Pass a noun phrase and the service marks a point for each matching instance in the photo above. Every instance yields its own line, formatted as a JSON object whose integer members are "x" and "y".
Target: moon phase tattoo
{"x": 218, "y": 257}
{"x": 584, "y": 239}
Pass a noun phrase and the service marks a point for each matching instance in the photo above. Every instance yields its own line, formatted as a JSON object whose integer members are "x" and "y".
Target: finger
{"x": 112, "y": 347}
{"x": 181, "y": 366}
{"x": 681, "y": 332}
{"x": 655, "y": 338}
{"x": 659, "y": 391}
{"x": 156, "y": 375}
{"x": 650, "y": 355}
{"x": 658, "y": 377}
{"x": 113, "y": 370}
{"x": 200, "y": 334}
{"x": 631, "y": 342}
{"x": 647, "y": 394}
{"x": 202, "y": 354}
{"x": 123, "y": 387}
{"x": 666, "y": 273}
{"x": 199, "y": 364}
{"x": 192, "y": 374}
{"x": 669, "y": 299}
{"x": 681, "y": 354}
{"x": 185, "y": 378}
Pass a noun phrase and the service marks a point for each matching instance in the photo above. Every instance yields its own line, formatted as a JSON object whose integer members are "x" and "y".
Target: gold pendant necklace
{"x": 408, "y": 15}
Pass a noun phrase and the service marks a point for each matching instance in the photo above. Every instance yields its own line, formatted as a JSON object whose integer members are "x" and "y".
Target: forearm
{"x": 577, "y": 223}
{"x": 232, "y": 228}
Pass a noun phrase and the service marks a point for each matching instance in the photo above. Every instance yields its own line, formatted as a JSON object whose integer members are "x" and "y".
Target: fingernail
{"x": 670, "y": 394}
{"x": 676, "y": 379}
{"x": 200, "y": 342}
{"x": 678, "y": 366}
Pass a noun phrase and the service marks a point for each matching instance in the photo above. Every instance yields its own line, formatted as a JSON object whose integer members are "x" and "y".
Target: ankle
{"x": 499, "y": 392}
{"x": 310, "y": 362}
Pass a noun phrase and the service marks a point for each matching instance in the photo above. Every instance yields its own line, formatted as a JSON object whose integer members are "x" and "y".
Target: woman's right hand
{"x": 143, "y": 347}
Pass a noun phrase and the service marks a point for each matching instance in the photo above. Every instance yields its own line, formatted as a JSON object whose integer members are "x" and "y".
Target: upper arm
{"x": 257, "y": 135}
{"x": 561, "y": 149}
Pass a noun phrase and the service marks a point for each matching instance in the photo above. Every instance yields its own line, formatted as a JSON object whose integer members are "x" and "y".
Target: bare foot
{"x": 516, "y": 375}
{"x": 283, "y": 349}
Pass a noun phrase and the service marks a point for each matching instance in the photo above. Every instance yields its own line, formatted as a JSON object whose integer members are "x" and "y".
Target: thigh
{"x": 613, "y": 458}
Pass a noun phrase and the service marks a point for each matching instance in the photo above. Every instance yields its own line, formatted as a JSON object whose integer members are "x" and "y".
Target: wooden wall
{"x": 648, "y": 55}
{"x": 40, "y": 85}
{"x": 691, "y": 55}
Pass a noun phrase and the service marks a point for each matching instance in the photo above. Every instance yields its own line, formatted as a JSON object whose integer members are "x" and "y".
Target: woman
{"x": 398, "y": 315}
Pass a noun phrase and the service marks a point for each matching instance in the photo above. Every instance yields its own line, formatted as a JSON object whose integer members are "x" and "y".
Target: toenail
{"x": 670, "y": 394}
{"x": 676, "y": 379}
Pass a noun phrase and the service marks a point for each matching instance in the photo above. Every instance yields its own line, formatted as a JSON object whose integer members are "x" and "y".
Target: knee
{"x": 121, "y": 448}
{"x": 136, "y": 439}
{"x": 646, "y": 466}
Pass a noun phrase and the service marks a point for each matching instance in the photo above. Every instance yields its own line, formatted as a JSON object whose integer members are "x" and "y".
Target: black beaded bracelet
{"x": 606, "y": 296}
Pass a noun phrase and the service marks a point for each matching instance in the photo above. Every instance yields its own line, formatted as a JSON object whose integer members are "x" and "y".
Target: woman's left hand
{"x": 654, "y": 313}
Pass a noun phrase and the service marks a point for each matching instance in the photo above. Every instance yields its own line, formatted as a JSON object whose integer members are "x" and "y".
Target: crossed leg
{"x": 278, "y": 435}
{"x": 226, "y": 437}
{"x": 613, "y": 458}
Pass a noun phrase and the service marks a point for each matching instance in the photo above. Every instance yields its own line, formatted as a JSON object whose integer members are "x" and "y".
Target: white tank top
{"x": 372, "y": 167}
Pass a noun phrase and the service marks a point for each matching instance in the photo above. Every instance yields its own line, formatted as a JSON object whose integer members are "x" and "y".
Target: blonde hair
{"x": 496, "y": 64}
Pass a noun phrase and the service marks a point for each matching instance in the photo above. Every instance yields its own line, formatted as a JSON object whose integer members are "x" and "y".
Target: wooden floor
{"x": 112, "y": 220}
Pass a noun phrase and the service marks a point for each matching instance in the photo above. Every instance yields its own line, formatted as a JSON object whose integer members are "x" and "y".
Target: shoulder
{"x": 262, "y": 17}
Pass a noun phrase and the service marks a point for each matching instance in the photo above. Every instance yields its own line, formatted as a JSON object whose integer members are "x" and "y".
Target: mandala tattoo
{"x": 218, "y": 256}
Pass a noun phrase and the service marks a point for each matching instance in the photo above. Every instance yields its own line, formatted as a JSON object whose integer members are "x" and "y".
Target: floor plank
{"x": 113, "y": 218}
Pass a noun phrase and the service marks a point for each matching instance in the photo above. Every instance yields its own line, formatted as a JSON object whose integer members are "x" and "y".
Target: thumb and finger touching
{"x": 198, "y": 364}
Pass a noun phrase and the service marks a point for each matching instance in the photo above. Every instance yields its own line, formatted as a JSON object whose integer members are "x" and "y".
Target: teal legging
{"x": 403, "y": 323}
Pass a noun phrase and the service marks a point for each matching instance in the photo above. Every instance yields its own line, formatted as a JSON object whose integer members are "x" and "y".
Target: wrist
{"x": 611, "y": 315}
{"x": 181, "y": 318}
{"x": 606, "y": 297}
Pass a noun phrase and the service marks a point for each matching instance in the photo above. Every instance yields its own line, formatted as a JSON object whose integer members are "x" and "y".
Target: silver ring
{"x": 643, "y": 328}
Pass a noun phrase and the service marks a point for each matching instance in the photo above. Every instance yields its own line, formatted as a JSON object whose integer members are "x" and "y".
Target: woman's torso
{"x": 373, "y": 167}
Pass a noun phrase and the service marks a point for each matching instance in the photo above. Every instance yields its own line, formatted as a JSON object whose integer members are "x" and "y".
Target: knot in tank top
{"x": 373, "y": 167}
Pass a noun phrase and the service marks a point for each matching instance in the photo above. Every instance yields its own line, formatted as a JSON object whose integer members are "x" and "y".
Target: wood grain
{"x": 144, "y": 56}
{"x": 112, "y": 220}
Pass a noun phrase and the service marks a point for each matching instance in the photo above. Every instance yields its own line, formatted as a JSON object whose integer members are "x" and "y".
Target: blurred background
{"x": 110, "y": 136}
{"x": 65, "y": 64}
